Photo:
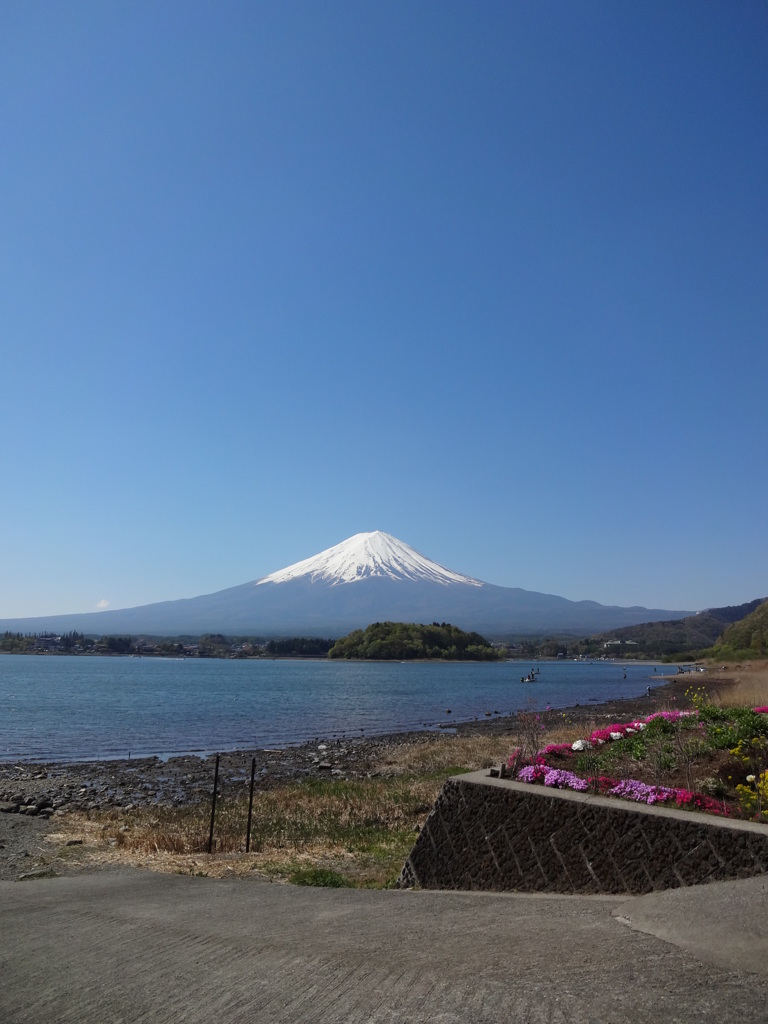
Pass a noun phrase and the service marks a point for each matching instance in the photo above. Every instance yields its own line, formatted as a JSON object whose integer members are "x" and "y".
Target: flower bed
{"x": 638, "y": 760}
{"x": 628, "y": 789}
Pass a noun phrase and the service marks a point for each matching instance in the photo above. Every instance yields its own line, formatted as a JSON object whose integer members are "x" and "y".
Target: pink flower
{"x": 557, "y": 748}
{"x": 670, "y": 716}
{"x": 554, "y": 777}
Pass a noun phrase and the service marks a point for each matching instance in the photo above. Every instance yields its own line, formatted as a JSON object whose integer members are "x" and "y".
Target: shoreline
{"x": 40, "y": 802}
{"x": 39, "y": 738}
{"x": 55, "y": 788}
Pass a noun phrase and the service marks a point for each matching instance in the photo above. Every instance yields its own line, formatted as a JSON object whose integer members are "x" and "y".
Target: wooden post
{"x": 213, "y": 804}
{"x": 250, "y": 807}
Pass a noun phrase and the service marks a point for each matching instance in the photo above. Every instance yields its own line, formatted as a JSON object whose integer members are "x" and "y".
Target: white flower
{"x": 630, "y": 730}
{"x": 750, "y": 778}
{"x": 616, "y": 735}
{"x": 581, "y": 745}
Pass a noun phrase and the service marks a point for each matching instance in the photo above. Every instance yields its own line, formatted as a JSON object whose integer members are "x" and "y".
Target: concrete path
{"x": 125, "y": 947}
{"x": 724, "y": 924}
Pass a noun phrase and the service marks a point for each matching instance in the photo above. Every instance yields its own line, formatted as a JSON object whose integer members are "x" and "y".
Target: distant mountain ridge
{"x": 692, "y": 633}
{"x": 367, "y": 578}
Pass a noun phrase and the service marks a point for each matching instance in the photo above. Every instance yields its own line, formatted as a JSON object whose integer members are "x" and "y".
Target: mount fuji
{"x": 367, "y": 578}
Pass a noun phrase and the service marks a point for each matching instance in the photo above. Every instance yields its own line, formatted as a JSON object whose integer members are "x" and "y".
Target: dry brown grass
{"x": 359, "y": 870}
{"x": 98, "y": 849}
{"x": 739, "y": 685}
{"x": 363, "y": 830}
{"x": 453, "y": 753}
{"x": 568, "y": 732}
{"x": 444, "y": 754}
{"x": 290, "y": 817}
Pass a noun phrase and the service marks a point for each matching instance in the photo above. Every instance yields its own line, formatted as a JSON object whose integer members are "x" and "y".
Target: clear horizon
{"x": 489, "y": 278}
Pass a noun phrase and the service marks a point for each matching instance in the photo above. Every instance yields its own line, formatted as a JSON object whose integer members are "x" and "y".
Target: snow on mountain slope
{"x": 366, "y": 555}
{"x": 309, "y": 599}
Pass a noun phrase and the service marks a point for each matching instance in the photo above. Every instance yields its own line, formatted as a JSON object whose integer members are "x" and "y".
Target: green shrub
{"x": 324, "y": 877}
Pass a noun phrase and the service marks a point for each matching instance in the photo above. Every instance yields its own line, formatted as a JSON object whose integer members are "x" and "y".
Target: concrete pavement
{"x": 127, "y": 946}
{"x": 724, "y": 924}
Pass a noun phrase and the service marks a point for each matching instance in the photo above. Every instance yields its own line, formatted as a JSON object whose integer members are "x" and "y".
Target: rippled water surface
{"x": 70, "y": 708}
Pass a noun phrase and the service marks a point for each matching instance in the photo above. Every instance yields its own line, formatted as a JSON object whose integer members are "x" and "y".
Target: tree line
{"x": 408, "y": 641}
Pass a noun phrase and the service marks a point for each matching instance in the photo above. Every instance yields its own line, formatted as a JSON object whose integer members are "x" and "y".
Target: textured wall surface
{"x": 493, "y": 834}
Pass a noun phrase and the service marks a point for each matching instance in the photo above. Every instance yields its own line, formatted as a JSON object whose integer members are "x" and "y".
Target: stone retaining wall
{"x": 493, "y": 834}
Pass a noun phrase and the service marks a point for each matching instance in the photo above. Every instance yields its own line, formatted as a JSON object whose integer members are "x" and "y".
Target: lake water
{"x": 79, "y": 708}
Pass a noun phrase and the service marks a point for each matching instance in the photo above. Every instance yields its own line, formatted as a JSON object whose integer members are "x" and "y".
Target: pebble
{"x": 60, "y": 789}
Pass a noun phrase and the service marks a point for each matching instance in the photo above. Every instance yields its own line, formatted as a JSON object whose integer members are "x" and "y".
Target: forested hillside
{"x": 682, "y": 636}
{"x": 405, "y": 641}
{"x": 746, "y": 638}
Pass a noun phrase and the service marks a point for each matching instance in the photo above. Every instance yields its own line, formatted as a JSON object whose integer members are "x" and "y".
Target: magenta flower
{"x": 670, "y": 716}
{"x": 558, "y": 748}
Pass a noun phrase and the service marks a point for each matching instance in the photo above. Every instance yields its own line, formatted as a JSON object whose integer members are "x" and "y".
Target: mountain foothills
{"x": 736, "y": 627}
{"x": 742, "y": 638}
{"x": 371, "y": 577}
{"x": 745, "y": 637}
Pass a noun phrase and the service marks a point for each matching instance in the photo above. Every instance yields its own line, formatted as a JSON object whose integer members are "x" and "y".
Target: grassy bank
{"x": 319, "y": 831}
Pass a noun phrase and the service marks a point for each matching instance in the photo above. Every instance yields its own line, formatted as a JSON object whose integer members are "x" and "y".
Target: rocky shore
{"x": 48, "y": 790}
{"x": 34, "y": 796}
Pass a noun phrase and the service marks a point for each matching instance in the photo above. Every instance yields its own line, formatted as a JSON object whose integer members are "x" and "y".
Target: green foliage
{"x": 319, "y": 876}
{"x": 299, "y": 647}
{"x": 635, "y": 747}
{"x": 752, "y": 752}
{"x": 753, "y": 797}
{"x": 118, "y": 644}
{"x": 662, "y": 746}
{"x": 726, "y": 653}
{"x": 749, "y": 633}
{"x": 68, "y": 643}
{"x": 173, "y": 649}
{"x": 744, "y": 639}
{"x": 686, "y": 744}
{"x": 406, "y": 641}
{"x": 693, "y": 635}
{"x": 16, "y": 643}
{"x": 213, "y": 645}
{"x": 75, "y": 641}
{"x": 726, "y": 731}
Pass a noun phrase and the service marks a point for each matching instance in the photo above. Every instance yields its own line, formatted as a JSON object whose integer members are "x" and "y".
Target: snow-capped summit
{"x": 392, "y": 583}
{"x": 366, "y": 555}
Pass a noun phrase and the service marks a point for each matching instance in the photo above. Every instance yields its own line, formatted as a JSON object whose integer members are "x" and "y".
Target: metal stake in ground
{"x": 250, "y": 808}
{"x": 213, "y": 803}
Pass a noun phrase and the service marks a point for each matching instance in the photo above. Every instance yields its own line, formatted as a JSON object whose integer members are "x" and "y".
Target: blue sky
{"x": 489, "y": 277}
